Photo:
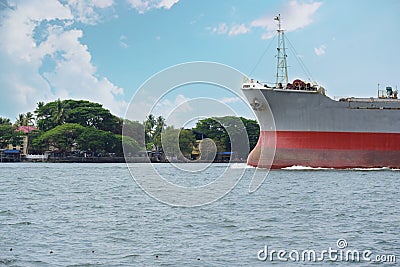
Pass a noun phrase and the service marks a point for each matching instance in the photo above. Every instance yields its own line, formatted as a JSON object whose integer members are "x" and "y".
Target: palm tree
{"x": 160, "y": 123}
{"x": 148, "y": 127}
{"x": 59, "y": 116}
{"x": 5, "y": 121}
{"x": 21, "y": 120}
{"x": 38, "y": 110}
{"x": 29, "y": 118}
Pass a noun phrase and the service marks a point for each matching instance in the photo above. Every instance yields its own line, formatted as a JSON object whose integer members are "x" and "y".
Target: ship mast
{"x": 281, "y": 67}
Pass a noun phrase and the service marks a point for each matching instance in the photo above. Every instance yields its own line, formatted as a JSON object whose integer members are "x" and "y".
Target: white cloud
{"x": 222, "y": 28}
{"x": 17, "y": 27}
{"x": 174, "y": 110}
{"x": 230, "y": 100}
{"x": 87, "y": 11}
{"x": 166, "y": 106}
{"x": 167, "y": 4}
{"x": 319, "y": 51}
{"x": 197, "y": 18}
{"x": 238, "y": 29}
{"x": 143, "y": 6}
{"x": 122, "y": 41}
{"x": 27, "y": 77}
{"x": 232, "y": 30}
{"x": 267, "y": 35}
{"x": 140, "y": 5}
{"x": 76, "y": 63}
{"x": 102, "y": 3}
{"x": 294, "y": 16}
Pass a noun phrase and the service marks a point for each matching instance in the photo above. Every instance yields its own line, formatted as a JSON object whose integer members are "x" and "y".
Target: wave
{"x": 240, "y": 166}
{"x": 306, "y": 168}
{"x": 374, "y": 169}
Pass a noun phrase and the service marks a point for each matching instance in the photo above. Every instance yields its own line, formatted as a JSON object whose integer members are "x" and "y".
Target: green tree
{"x": 149, "y": 125}
{"x": 177, "y": 140}
{"x": 35, "y": 146}
{"x": 49, "y": 115}
{"x": 95, "y": 116}
{"x": 130, "y": 146}
{"x": 9, "y": 135}
{"x": 62, "y": 137}
{"x": 228, "y": 130}
{"x": 5, "y": 121}
{"x": 40, "y": 104}
{"x": 186, "y": 142}
{"x": 160, "y": 124}
{"x": 82, "y": 112}
{"x": 25, "y": 119}
{"x": 59, "y": 116}
{"x": 29, "y": 119}
{"x": 170, "y": 142}
{"x": 212, "y": 128}
{"x": 135, "y": 130}
{"x": 159, "y": 127}
{"x": 92, "y": 139}
{"x": 21, "y": 120}
{"x": 153, "y": 128}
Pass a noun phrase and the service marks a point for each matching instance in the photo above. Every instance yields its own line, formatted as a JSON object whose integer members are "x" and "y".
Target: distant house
{"x": 20, "y": 151}
{"x": 196, "y": 150}
{"x": 24, "y": 145}
{"x": 209, "y": 152}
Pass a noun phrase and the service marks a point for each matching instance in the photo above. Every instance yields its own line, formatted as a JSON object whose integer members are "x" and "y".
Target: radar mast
{"x": 281, "y": 67}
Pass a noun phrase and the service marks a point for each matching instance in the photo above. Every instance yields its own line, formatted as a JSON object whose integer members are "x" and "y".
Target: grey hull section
{"x": 291, "y": 110}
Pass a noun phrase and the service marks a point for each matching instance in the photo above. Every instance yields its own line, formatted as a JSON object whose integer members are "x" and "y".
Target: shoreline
{"x": 109, "y": 160}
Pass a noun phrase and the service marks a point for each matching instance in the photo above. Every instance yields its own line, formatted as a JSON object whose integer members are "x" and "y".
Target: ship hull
{"x": 310, "y": 129}
{"x": 328, "y": 150}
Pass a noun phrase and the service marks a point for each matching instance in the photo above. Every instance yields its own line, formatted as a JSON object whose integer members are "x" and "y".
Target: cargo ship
{"x": 301, "y": 126}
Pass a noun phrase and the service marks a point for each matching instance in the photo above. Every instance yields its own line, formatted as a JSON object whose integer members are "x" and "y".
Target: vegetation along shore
{"x": 83, "y": 131}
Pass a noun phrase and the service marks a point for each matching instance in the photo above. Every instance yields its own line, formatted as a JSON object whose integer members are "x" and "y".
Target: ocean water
{"x": 96, "y": 215}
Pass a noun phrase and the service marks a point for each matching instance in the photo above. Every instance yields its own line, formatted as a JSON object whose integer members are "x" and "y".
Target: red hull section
{"x": 328, "y": 149}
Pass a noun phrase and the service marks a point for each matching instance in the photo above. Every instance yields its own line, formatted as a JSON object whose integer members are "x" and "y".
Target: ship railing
{"x": 320, "y": 89}
{"x": 255, "y": 85}
{"x": 341, "y": 98}
{"x": 310, "y": 89}
{"x": 264, "y": 85}
{"x": 365, "y": 99}
{"x": 388, "y": 93}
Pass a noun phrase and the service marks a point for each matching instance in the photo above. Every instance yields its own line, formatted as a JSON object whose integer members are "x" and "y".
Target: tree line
{"x": 79, "y": 126}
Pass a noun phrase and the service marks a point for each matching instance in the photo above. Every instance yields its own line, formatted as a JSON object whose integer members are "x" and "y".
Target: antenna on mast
{"x": 281, "y": 67}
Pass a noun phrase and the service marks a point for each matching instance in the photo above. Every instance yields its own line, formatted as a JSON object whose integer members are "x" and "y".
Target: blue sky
{"x": 103, "y": 50}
